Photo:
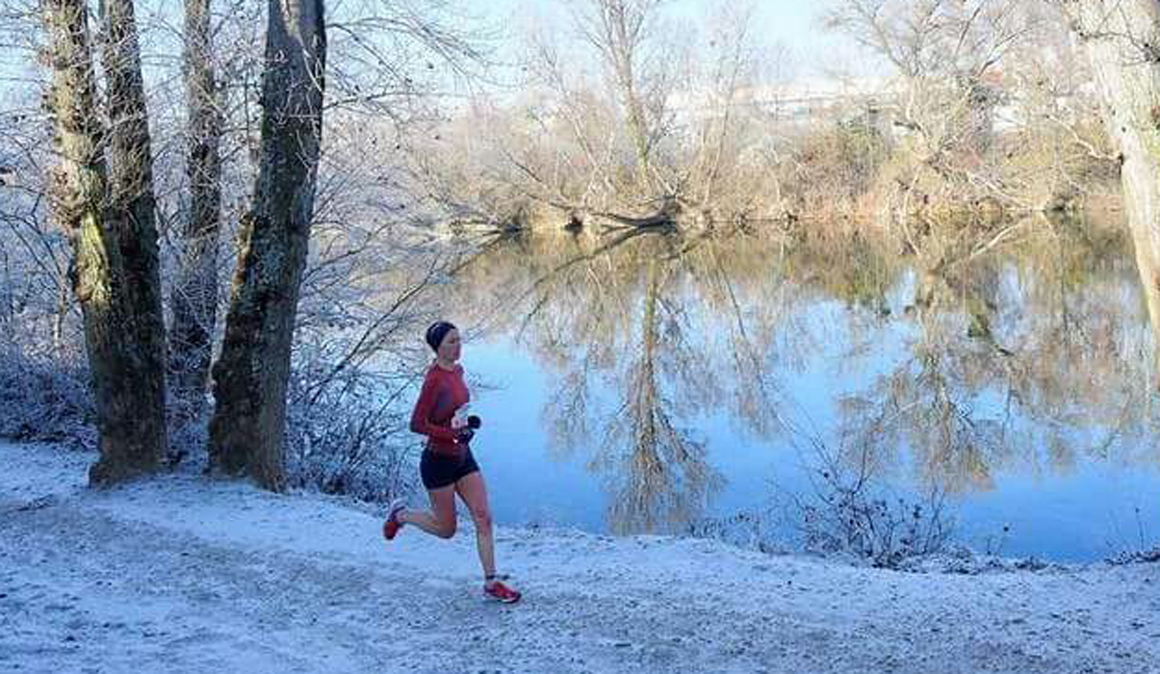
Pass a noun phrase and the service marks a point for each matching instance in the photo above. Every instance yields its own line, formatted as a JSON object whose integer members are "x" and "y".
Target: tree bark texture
{"x": 250, "y": 377}
{"x": 194, "y": 294}
{"x": 106, "y": 210}
{"x": 132, "y": 209}
{"x": 1122, "y": 40}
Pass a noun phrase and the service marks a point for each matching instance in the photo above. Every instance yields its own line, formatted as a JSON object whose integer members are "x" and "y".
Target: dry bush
{"x": 45, "y": 397}
{"x": 829, "y": 171}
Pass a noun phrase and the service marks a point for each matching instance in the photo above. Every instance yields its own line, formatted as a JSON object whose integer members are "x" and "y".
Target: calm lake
{"x": 656, "y": 382}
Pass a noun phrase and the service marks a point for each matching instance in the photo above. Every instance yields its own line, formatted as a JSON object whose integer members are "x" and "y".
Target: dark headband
{"x": 437, "y": 332}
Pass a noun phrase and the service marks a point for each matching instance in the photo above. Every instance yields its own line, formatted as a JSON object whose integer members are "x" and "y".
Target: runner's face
{"x": 449, "y": 348}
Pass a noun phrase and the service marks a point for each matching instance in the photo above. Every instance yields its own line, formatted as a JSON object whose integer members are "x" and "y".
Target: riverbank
{"x": 185, "y": 574}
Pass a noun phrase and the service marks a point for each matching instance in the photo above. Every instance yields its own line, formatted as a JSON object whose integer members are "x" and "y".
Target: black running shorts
{"x": 443, "y": 470}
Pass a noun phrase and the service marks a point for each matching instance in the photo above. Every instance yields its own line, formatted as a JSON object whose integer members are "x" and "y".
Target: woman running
{"x": 447, "y": 466}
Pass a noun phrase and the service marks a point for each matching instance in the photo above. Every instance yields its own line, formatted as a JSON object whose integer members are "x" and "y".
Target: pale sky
{"x": 793, "y": 23}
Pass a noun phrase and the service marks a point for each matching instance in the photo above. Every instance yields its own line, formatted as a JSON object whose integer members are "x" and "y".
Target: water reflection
{"x": 607, "y": 321}
{"x": 1149, "y": 268}
{"x": 1030, "y": 358}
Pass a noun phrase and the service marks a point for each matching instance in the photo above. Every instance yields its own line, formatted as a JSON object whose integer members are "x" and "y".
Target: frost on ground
{"x": 184, "y": 574}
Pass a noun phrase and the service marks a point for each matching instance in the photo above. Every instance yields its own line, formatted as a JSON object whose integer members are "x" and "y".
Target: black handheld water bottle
{"x": 468, "y": 432}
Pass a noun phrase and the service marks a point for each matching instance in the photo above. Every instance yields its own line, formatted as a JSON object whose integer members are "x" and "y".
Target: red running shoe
{"x": 392, "y": 525}
{"x": 498, "y": 591}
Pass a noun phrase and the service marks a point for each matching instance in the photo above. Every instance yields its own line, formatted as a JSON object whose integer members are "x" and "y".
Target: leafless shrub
{"x": 1138, "y": 557}
{"x": 350, "y": 438}
{"x": 853, "y": 518}
{"x": 45, "y": 397}
{"x": 845, "y": 511}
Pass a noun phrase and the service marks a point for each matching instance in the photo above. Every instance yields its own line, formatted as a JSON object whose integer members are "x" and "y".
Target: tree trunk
{"x": 1122, "y": 39}
{"x": 637, "y": 123}
{"x": 108, "y": 217}
{"x": 250, "y": 377}
{"x": 624, "y": 28}
{"x": 132, "y": 215}
{"x": 195, "y": 291}
{"x": 618, "y": 31}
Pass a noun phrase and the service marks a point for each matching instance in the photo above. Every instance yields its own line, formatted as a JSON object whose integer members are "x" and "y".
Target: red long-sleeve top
{"x": 444, "y": 391}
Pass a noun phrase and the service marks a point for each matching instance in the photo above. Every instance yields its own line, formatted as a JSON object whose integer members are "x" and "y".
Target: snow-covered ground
{"x": 185, "y": 574}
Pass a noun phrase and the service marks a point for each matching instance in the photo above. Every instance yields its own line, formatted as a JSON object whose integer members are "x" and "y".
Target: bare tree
{"x": 133, "y": 209}
{"x": 947, "y": 56}
{"x": 194, "y": 293}
{"x": 1122, "y": 39}
{"x": 669, "y": 122}
{"x": 733, "y": 62}
{"x": 620, "y": 30}
{"x": 106, "y": 209}
{"x": 250, "y": 377}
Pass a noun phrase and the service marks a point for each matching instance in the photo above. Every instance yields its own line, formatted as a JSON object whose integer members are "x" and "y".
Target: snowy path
{"x": 181, "y": 574}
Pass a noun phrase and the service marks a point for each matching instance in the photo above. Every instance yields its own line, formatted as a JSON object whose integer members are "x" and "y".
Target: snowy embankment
{"x": 183, "y": 574}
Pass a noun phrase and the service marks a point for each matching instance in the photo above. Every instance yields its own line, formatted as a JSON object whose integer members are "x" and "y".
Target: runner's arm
{"x": 421, "y": 415}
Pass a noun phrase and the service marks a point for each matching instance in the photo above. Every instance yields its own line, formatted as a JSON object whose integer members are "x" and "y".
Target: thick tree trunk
{"x": 1122, "y": 39}
{"x": 194, "y": 294}
{"x": 247, "y": 429}
{"x": 108, "y": 217}
{"x": 132, "y": 210}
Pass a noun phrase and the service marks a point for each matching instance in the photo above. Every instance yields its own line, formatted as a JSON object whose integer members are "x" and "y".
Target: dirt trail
{"x": 180, "y": 574}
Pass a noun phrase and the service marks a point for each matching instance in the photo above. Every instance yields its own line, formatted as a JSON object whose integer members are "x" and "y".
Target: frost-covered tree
{"x": 250, "y": 377}
{"x": 1122, "y": 39}
{"x": 103, "y": 196}
{"x": 194, "y": 293}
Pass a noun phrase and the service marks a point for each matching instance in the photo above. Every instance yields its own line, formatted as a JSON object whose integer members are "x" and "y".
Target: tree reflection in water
{"x": 1018, "y": 361}
{"x": 1031, "y": 356}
